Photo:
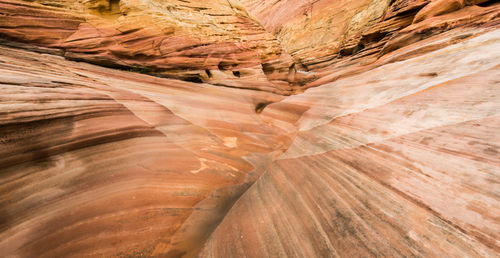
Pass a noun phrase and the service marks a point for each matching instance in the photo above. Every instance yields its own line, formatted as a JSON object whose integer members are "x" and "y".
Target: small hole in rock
{"x": 194, "y": 79}
{"x": 225, "y": 65}
{"x": 209, "y": 74}
{"x": 267, "y": 68}
{"x": 358, "y": 48}
{"x": 261, "y": 106}
{"x": 237, "y": 73}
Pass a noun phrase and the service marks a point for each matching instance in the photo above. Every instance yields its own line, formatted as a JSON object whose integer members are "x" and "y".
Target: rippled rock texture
{"x": 386, "y": 163}
{"x": 299, "y": 128}
{"x": 190, "y": 40}
{"x": 319, "y": 33}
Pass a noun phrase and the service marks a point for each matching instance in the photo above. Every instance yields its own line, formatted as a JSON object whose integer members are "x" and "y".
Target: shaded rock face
{"x": 299, "y": 128}
{"x": 176, "y": 39}
{"x": 324, "y": 25}
{"x": 330, "y": 30}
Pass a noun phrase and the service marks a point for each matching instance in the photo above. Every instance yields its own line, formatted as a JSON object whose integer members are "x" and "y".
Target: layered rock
{"x": 330, "y": 31}
{"x": 177, "y": 39}
{"x": 102, "y": 162}
{"x": 310, "y": 29}
{"x": 400, "y": 161}
{"x": 389, "y": 146}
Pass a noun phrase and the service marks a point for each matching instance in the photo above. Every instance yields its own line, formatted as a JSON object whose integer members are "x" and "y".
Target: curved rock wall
{"x": 389, "y": 146}
{"x": 102, "y": 162}
{"x": 324, "y": 25}
{"x": 177, "y": 39}
{"x": 332, "y": 30}
{"x": 389, "y": 162}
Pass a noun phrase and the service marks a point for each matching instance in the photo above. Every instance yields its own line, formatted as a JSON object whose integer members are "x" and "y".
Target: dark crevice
{"x": 209, "y": 74}
{"x": 267, "y": 68}
{"x": 489, "y": 3}
{"x": 358, "y": 48}
{"x": 237, "y": 74}
{"x": 194, "y": 79}
{"x": 261, "y": 106}
{"x": 226, "y": 65}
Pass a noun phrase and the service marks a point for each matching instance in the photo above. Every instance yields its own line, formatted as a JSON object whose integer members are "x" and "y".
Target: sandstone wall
{"x": 401, "y": 160}
{"x": 100, "y": 162}
{"x": 177, "y": 39}
{"x": 389, "y": 145}
{"x": 319, "y": 33}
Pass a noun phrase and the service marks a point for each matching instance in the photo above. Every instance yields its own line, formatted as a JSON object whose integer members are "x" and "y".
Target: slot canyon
{"x": 249, "y": 128}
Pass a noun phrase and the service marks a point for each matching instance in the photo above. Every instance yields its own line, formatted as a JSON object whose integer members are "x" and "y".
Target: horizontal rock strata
{"x": 336, "y": 34}
{"x": 179, "y": 39}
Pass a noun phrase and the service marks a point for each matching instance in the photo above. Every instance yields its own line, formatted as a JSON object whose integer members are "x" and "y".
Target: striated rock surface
{"x": 301, "y": 129}
{"x": 309, "y": 29}
{"x": 398, "y": 161}
{"x": 177, "y": 39}
{"x": 102, "y": 162}
{"x": 322, "y": 33}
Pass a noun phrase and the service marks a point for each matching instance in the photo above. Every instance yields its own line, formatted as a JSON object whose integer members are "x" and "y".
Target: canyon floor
{"x": 249, "y": 128}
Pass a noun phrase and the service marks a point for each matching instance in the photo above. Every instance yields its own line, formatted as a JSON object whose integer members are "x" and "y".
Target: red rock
{"x": 310, "y": 129}
{"x": 395, "y": 161}
{"x": 159, "y": 39}
{"x": 438, "y": 7}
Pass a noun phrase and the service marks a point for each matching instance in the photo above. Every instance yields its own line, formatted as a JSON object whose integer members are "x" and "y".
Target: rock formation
{"x": 249, "y": 128}
{"x": 177, "y": 39}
